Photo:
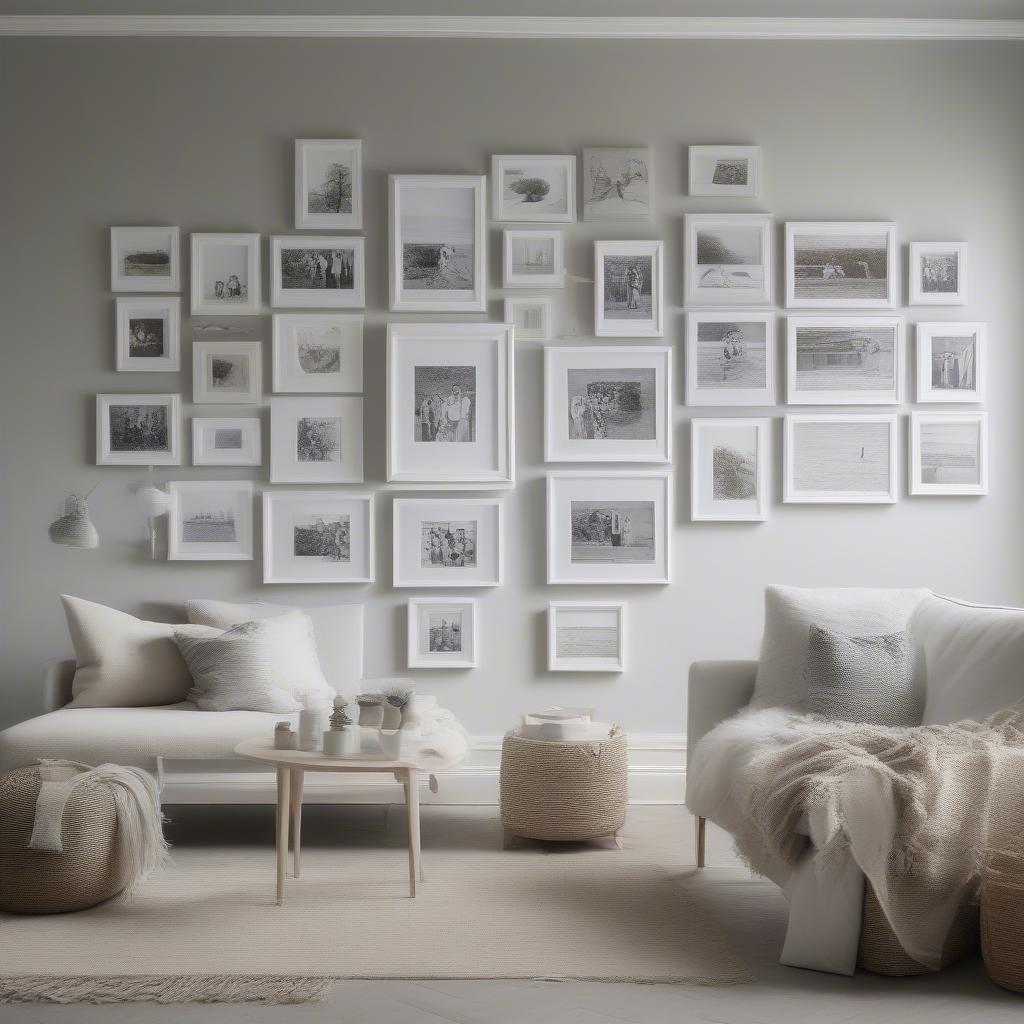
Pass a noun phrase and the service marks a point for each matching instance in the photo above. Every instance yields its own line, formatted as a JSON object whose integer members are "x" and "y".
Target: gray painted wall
{"x": 199, "y": 133}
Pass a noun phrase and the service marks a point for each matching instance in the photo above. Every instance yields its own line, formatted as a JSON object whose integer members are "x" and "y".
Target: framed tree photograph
{"x": 938, "y": 273}
{"x": 227, "y": 441}
{"x": 227, "y": 372}
{"x": 317, "y": 352}
{"x": 628, "y": 290}
{"x": 138, "y": 430}
{"x": 145, "y": 260}
{"x": 617, "y": 183}
{"x": 728, "y": 259}
{"x": 951, "y": 362}
{"x": 441, "y": 634}
{"x": 725, "y": 171}
{"x": 730, "y": 358}
{"x": 531, "y": 316}
{"x": 586, "y": 636}
{"x": 437, "y": 243}
{"x": 451, "y": 405}
{"x": 729, "y": 461}
{"x": 324, "y": 536}
{"x": 538, "y": 189}
{"x": 226, "y": 275}
{"x": 210, "y": 521}
{"x": 316, "y": 439}
{"x": 317, "y": 270}
{"x": 328, "y": 184}
{"x": 949, "y": 453}
{"x": 148, "y": 334}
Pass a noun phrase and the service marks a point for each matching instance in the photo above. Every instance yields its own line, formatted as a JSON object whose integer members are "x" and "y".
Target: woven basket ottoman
{"x": 1002, "y": 918}
{"x": 563, "y": 791}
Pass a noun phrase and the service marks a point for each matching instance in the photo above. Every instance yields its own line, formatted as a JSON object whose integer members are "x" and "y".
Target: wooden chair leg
{"x": 701, "y": 832}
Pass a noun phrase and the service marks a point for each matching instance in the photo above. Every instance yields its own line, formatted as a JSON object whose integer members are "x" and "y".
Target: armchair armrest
{"x": 57, "y": 678}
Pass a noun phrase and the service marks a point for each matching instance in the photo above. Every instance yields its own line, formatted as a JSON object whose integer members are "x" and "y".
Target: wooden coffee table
{"x": 291, "y": 766}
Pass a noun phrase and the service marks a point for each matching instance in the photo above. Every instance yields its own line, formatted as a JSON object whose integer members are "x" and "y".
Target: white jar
{"x": 313, "y": 721}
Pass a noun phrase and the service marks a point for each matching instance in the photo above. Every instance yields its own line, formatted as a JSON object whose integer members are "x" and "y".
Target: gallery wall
{"x": 199, "y": 133}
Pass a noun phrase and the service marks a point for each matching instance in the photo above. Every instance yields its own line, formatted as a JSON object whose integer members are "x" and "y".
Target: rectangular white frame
{"x": 203, "y": 394}
{"x": 177, "y": 553}
{"x": 925, "y": 334}
{"x": 604, "y": 328}
{"x": 789, "y": 494}
{"x": 251, "y": 452}
{"x": 726, "y": 298}
{"x": 349, "y": 381}
{"x": 916, "y": 485}
{"x": 121, "y": 283}
{"x": 919, "y": 297}
{"x": 416, "y": 607}
{"x": 556, "y": 279}
{"x": 329, "y": 221}
{"x": 731, "y": 397}
{"x": 324, "y": 298}
{"x": 543, "y": 302}
{"x": 590, "y": 214}
{"x": 763, "y": 426}
{"x": 566, "y": 164}
{"x": 850, "y": 397}
{"x": 169, "y": 309}
{"x": 751, "y": 190}
{"x": 286, "y": 470}
{"x": 213, "y": 307}
{"x": 104, "y": 456}
{"x": 557, "y": 664}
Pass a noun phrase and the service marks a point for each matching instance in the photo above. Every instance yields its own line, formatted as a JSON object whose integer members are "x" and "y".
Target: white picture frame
{"x": 623, "y": 272}
{"x": 227, "y": 372}
{"x": 730, "y": 358}
{"x": 226, "y": 275}
{"x": 530, "y": 315}
{"x": 618, "y": 183}
{"x": 441, "y": 634}
{"x": 725, "y": 171}
{"x": 822, "y": 451}
{"x": 742, "y": 446}
{"x": 325, "y": 170}
{"x": 952, "y": 361}
{"x": 145, "y": 259}
{"x": 437, "y": 243}
{"x": 937, "y": 273}
{"x": 323, "y": 536}
{"x": 317, "y": 270}
{"x": 317, "y": 353}
{"x": 148, "y": 333}
{"x": 534, "y": 189}
{"x": 227, "y": 441}
{"x": 940, "y": 443}
{"x": 210, "y": 521}
{"x": 605, "y": 403}
{"x": 533, "y": 258}
{"x": 583, "y": 510}
{"x": 716, "y": 242}
{"x": 587, "y": 636}
{"x": 316, "y": 439}
{"x": 130, "y": 431}
{"x": 464, "y": 375}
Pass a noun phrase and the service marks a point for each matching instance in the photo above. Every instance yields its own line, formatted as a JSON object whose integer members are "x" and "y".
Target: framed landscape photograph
{"x": 938, "y": 273}
{"x": 437, "y": 243}
{"x": 842, "y": 264}
{"x": 951, "y": 362}
{"x": 533, "y": 259}
{"x": 538, "y": 189}
{"x": 617, "y": 183}
{"x": 840, "y": 459}
{"x": 726, "y": 171}
{"x": 837, "y": 360}
{"x": 145, "y": 260}
{"x": 324, "y": 536}
{"x": 316, "y": 439}
{"x": 210, "y": 520}
{"x": 628, "y": 289}
{"x": 730, "y": 358}
{"x": 317, "y": 352}
{"x": 949, "y": 453}
{"x": 728, "y": 259}
{"x": 451, "y": 405}
{"x": 226, "y": 275}
{"x": 317, "y": 270}
{"x": 441, "y": 634}
{"x": 609, "y": 527}
{"x": 729, "y": 469}
{"x": 227, "y": 441}
{"x": 329, "y": 184}
{"x": 586, "y": 636}
{"x": 227, "y": 372}
{"x": 148, "y": 334}
{"x": 530, "y": 315}
{"x": 138, "y": 430}
{"x": 608, "y": 404}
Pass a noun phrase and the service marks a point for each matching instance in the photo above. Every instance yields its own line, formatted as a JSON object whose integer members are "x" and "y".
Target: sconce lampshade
{"x": 154, "y": 501}
{"x": 74, "y": 528}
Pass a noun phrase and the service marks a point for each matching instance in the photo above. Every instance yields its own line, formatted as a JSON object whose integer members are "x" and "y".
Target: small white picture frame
{"x": 317, "y": 270}
{"x": 938, "y": 273}
{"x": 730, "y": 358}
{"x": 317, "y": 353}
{"x": 725, "y": 171}
{"x": 952, "y": 361}
{"x": 617, "y": 183}
{"x": 328, "y": 184}
{"x": 530, "y": 315}
{"x": 729, "y": 478}
{"x": 145, "y": 259}
{"x": 210, "y": 521}
{"x": 148, "y": 330}
{"x": 533, "y": 258}
{"x": 629, "y": 289}
{"x": 226, "y": 275}
{"x": 441, "y": 634}
{"x": 586, "y": 636}
{"x": 948, "y": 453}
{"x": 138, "y": 430}
{"x": 535, "y": 189}
{"x": 227, "y": 441}
{"x": 728, "y": 259}
{"x": 227, "y": 372}
{"x": 316, "y": 439}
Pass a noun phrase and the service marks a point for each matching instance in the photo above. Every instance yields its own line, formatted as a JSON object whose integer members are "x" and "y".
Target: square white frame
{"x": 325, "y": 298}
{"x": 251, "y": 452}
{"x": 168, "y": 309}
{"x": 732, "y": 397}
{"x": 751, "y": 190}
{"x": 918, "y": 296}
{"x": 565, "y": 164}
{"x": 789, "y": 493}
{"x": 726, "y": 298}
{"x": 845, "y": 397}
{"x": 122, "y": 283}
{"x": 416, "y": 607}
{"x": 543, "y": 303}
{"x": 176, "y": 552}
{"x": 840, "y": 228}
{"x": 763, "y": 427}
{"x": 558, "y": 360}
{"x": 220, "y": 307}
{"x": 330, "y": 221}
{"x": 202, "y": 391}
{"x": 561, "y": 664}
{"x": 285, "y": 469}
{"x": 925, "y": 334}
{"x": 592, "y": 214}
{"x": 604, "y": 328}
{"x": 349, "y": 380}
{"x": 105, "y": 457}
{"x": 916, "y": 485}
{"x": 556, "y": 279}
{"x": 402, "y": 303}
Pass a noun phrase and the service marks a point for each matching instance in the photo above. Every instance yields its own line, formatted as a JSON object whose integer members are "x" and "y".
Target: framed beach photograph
{"x": 949, "y": 453}
{"x": 437, "y": 243}
{"x": 210, "y": 521}
{"x": 317, "y": 352}
{"x": 729, "y": 469}
{"x": 539, "y": 189}
{"x": 226, "y": 275}
{"x": 938, "y": 273}
{"x": 328, "y": 184}
{"x": 609, "y": 527}
{"x": 951, "y": 362}
{"x": 726, "y": 171}
{"x": 451, "y": 405}
{"x": 840, "y": 360}
{"x": 324, "y": 536}
{"x": 533, "y": 259}
{"x": 148, "y": 334}
{"x": 842, "y": 264}
{"x": 586, "y": 636}
{"x": 138, "y": 430}
{"x": 530, "y": 315}
{"x": 227, "y": 441}
{"x": 447, "y": 542}
{"x": 441, "y": 634}
{"x": 227, "y": 372}
{"x": 145, "y": 260}
{"x": 730, "y": 358}
{"x": 317, "y": 270}
{"x": 316, "y": 439}
{"x": 728, "y": 259}
{"x": 840, "y": 459}
{"x": 608, "y": 404}
{"x": 617, "y": 183}
{"x": 628, "y": 290}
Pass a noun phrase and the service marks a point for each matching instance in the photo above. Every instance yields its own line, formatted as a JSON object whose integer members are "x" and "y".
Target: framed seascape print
{"x": 210, "y": 520}
{"x": 951, "y": 362}
{"x": 227, "y": 441}
{"x": 628, "y": 289}
{"x": 726, "y": 171}
{"x": 317, "y": 270}
{"x": 318, "y": 537}
{"x": 838, "y": 360}
{"x": 533, "y": 259}
{"x": 227, "y": 372}
{"x": 949, "y": 453}
{"x": 316, "y": 439}
{"x": 145, "y": 260}
{"x": 451, "y": 405}
{"x": 447, "y": 542}
{"x": 730, "y": 358}
{"x": 530, "y": 315}
{"x": 728, "y": 259}
{"x": 729, "y": 469}
{"x": 148, "y": 334}
{"x": 442, "y": 634}
{"x": 437, "y": 243}
{"x": 328, "y": 184}
{"x": 617, "y": 183}
{"x": 317, "y": 352}
{"x": 609, "y": 527}
{"x": 938, "y": 273}
{"x": 586, "y": 636}
{"x": 226, "y": 275}
{"x": 842, "y": 264}
{"x": 608, "y": 404}
{"x": 138, "y": 430}
{"x": 840, "y": 459}
{"x": 538, "y": 189}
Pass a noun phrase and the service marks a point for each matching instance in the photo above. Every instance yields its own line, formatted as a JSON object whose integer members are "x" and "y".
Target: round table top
{"x": 261, "y": 749}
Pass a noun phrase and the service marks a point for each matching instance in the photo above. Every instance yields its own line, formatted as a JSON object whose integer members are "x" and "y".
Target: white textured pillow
{"x": 225, "y": 614}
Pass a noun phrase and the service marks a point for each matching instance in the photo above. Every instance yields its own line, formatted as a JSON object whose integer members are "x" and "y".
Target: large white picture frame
{"x": 148, "y": 330}
{"x": 329, "y": 184}
{"x": 536, "y": 189}
{"x": 729, "y": 469}
{"x": 138, "y": 430}
{"x": 317, "y": 353}
{"x": 226, "y": 275}
{"x": 629, "y": 289}
{"x": 316, "y": 439}
{"x": 210, "y": 521}
{"x": 317, "y": 270}
{"x": 938, "y": 273}
{"x": 227, "y": 372}
{"x": 948, "y": 453}
{"x": 952, "y": 361}
{"x": 730, "y": 358}
{"x": 586, "y": 636}
{"x": 145, "y": 259}
{"x": 441, "y": 634}
{"x": 728, "y": 259}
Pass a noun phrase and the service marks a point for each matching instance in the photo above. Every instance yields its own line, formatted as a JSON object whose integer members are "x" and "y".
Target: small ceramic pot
{"x": 391, "y": 744}
{"x": 392, "y": 717}
{"x": 371, "y": 715}
{"x": 341, "y": 742}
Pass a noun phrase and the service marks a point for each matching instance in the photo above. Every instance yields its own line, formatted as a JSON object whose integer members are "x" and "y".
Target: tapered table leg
{"x": 283, "y": 787}
{"x": 298, "y": 777}
{"x": 412, "y": 801}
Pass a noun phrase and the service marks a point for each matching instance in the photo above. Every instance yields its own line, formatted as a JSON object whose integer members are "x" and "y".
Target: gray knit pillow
{"x": 861, "y": 678}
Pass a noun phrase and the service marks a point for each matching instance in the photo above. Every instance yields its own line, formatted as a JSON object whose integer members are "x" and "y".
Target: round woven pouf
{"x": 86, "y": 873}
{"x": 563, "y": 791}
{"x": 1002, "y": 918}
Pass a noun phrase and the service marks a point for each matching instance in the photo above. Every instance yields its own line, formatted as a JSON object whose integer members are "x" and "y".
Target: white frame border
{"x": 277, "y": 344}
{"x": 174, "y": 552}
{"x": 254, "y": 302}
{"x": 414, "y": 607}
{"x": 752, "y": 190}
{"x": 557, "y": 664}
{"x": 917, "y": 487}
{"x": 924, "y": 335}
{"x": 922, "y": 298}
{"x": 644, "y": 218}
{"x": 731, "y": 297}
{"x": 763, "y": 426}
{"x": 330, "y": 221}
{"x": 498, "y": 192}
{"x": 546, "y": 305}
{"x": 104, "y": 457}
{"x": 321, "y": 298}
{"x": 119, "y": 283}
{"x": 556, "y": 279}
{"x": 125, "y": 363}
{"x": 350, "y": 470}
{"x": 253, "y": 423}
{"x": 729, "y": 397}
{"x": 604, "y": 328}
{"x": 202, "y": 394}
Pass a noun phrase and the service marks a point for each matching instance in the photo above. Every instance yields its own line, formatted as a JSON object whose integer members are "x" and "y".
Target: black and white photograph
{"x": 538, "y": 189}
{"x": 226, "y": 274}
{"x": 210, "y": 520}
{"x": 317, "y": 270}
{"x": 531, "y": 315}
{"x": 628, "y": 289}
{"x": 144, "y": 259}
{"x": 448, "y": 544}
{"x": 327, "y": 537}
{"x": 730, "y": 359}
{"x": 227, "y": 372}
{"x": 226, "y": 441}
{"x": 948, "y": 453}
{"x": 841, "y": 264}
{"x": 938, "y": 273}
{"x": 138, "y": 430}
{"x": 444, "y": 399}
{"x": 585, "y": 636}
{"x": 612, "y": 404}
{"x": 318, "y": 352}
{"x": 441, "y": 634}
{"x": 534, "y": 259}
{"x": 617, "y": 183}
{"x": 729, "y": 469}
{"x": 444, "y": 632}
{"x": 328, "y": 184}
{"x": 612, "y": 532}
{"x": 725, "y": 171}
{"x": 316, "y": 439}
{"x": 728, "y": 259}
{"x": 950, "y": 362}
{"x": 148, "y": 334}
